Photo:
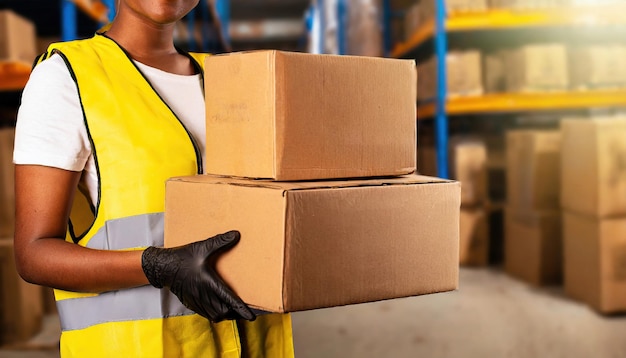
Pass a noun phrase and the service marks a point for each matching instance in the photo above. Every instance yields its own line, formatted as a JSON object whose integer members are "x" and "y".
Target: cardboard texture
{"x": 293, "y": 116}
{"x": 594, "y": 166}
{"x": 21, "y": 307}
{"x": 533, "y": 174}
{"x": 17, "y": 38}
{"x": 474, "y": 237}
{"x": 7, "y": 191}
{"x": 595, "y": 261}
{"x": 309, "y": 245}
{"x": 468, "y": 164}
{"x": 533, "y": 248}
{"x": 534, "y": 68}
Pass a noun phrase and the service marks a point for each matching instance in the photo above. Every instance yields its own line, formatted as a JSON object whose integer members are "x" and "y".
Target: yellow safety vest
{"x": 138, "y": 142}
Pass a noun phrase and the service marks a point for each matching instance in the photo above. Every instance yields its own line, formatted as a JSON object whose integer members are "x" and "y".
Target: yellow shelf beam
{"x": 526, "y": 102}
{"x": 13, "y": 75}
{"x": 497, "y": 19}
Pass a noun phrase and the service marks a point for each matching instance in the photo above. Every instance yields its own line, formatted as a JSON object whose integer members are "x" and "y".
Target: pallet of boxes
{"x": 311, "y": 158}
{"x": 532, "y": 242}
{"x": 593, "y": 197}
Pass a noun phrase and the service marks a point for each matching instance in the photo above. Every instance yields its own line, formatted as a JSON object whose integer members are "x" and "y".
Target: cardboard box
{"x": 533, "y": 68}
{"x": 293, "y": 116}
{"x": 465, "y": 73}
{"x": 308, "y": 245}
{"x": 463, "y": 78}
{"x": 595, "y": 261}
{"x": 474, "y": 237}
{"x": 427, "y": 79}
{"x": 598, "y": 66}
{"x": 494, "y": 72}
{"x": 468, "y": 164}
{"x": 533, "y": 246}
{"x": 594, "y": 166}
{"x": 533, "y": 170}
{"x": 17, "y": 38}
{"x": 21, "y": 307}
{"x": 7, "y": 183}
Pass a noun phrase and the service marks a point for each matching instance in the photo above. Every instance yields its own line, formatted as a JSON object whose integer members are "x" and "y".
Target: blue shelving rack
{"x": 440, "y": 41}
{"x": 441, "y": 117}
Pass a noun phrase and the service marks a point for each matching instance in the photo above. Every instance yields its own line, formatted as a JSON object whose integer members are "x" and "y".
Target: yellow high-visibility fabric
{"x": 138, "y": 143}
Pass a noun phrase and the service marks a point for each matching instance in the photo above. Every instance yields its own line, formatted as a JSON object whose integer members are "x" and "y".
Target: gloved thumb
{"x": 222, "y": 242}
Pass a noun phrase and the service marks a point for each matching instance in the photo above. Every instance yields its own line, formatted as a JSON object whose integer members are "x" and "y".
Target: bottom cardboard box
{"x": 595, "y": 261}
{"x": 308, "y": 245}
{"x": 21, "y": 307}
{"x": 533, "y": 246}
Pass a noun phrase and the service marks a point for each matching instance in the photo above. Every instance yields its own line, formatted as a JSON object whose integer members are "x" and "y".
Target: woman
{"x": 115, "y": 116}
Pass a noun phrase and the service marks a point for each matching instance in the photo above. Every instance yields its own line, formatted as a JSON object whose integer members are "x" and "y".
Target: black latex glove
{"x": 188, "y": 272}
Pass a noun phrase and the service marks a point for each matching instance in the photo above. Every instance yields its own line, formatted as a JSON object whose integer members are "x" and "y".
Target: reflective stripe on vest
{"x": 122, "y": 234}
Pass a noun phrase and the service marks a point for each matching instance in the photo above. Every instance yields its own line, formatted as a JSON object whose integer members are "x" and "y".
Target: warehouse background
{"x": 522, "y": 101}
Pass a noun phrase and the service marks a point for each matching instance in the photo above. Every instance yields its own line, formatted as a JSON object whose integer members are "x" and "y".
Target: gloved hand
{"x": 187, "y": 271}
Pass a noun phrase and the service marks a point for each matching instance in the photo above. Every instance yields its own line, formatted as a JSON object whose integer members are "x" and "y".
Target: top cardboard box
{"x": 293, "y": 116}
{"x": 594, "y": 166}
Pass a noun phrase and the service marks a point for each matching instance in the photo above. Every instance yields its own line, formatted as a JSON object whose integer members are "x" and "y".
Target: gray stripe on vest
{"x": 133, "y": 304}
{"x": 139, "y": 303}
{"x": 130, "y": 232}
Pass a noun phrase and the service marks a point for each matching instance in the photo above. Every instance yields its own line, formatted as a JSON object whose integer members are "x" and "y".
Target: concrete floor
{"x": 491, "y": 315}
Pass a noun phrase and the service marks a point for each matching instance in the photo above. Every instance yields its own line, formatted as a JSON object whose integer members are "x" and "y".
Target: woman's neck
{"x": 150, "y": 44}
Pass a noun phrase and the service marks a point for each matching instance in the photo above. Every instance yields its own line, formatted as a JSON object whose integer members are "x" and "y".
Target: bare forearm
{"x": 59, "y": 264}
{"x": 43, "y": 200}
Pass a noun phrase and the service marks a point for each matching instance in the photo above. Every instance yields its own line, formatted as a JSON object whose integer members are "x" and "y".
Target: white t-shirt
{"x": 50, "y": 130}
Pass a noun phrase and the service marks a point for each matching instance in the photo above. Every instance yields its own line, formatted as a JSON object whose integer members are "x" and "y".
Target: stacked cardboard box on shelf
{"x": 533, "y": 245}
{"x": 463, "y": 78}
{"x": 311, "y": 161}
{"x": 536, "y": 67}
{"x": 593, "y": 199}
{"x": 423, "y": 11}
{"x": 468, "y": 159}
{"x": 478, "y": 163}
{"x": 597, "y": 66}
{"x": 17, "y": 38}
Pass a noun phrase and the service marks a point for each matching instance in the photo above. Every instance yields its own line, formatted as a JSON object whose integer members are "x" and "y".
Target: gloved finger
{"x": 204, "y": 302}
{"x": 222, "y": 242}
{"x": 231, "y": 299}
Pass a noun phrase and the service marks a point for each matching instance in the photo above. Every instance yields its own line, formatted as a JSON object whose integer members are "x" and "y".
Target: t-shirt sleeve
{"x": 50, "y": 130}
